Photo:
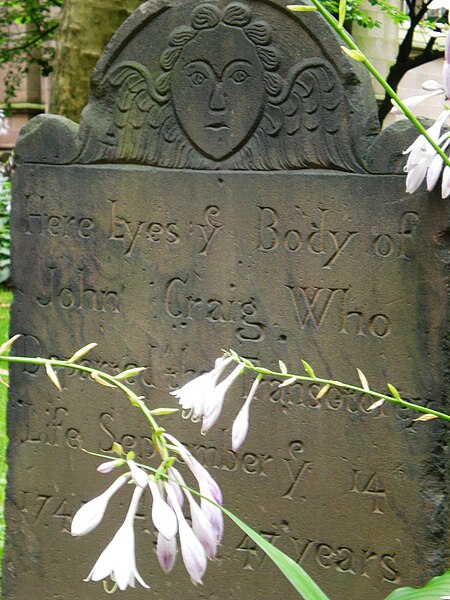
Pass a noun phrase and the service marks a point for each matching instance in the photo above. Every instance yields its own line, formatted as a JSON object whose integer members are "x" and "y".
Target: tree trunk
{"x": 86, "y": 26}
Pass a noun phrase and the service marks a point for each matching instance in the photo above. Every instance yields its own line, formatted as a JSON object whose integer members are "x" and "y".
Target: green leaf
{"x": 342, "y": 12}
{"x": 308, "y": 368}
{"x": 394, "y": 391}
{"x": 157, "y": 412}
{"x": 436, "y": 589}
{"x": 300, "y": 580}
{"x": 301, "y": 8}
{"x": 129, "y": 373}
{"x": 355, "y": 54}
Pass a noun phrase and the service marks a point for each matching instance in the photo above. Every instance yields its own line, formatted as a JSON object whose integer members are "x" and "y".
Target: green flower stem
{"x": 134, "y": 399}
{"x": 351, "y": 44}
{"x": 346, "y": 386}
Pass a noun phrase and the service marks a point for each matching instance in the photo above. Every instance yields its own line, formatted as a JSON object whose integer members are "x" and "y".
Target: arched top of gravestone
{"x": 226, "y": 85}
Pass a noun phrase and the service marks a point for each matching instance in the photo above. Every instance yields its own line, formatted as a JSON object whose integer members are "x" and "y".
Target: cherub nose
{"x": 217, "y": 100}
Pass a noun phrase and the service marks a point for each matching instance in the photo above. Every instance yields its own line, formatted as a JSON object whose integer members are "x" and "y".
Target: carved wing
{"x": 315, "y": 119}
{"x": 135, "y": 111}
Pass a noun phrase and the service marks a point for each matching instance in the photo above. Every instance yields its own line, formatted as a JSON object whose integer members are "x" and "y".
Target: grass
{"x": 5, "y": 301}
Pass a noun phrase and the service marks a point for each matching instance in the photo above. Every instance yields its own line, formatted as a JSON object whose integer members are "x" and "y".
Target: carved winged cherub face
{"x": 218, "y": 90}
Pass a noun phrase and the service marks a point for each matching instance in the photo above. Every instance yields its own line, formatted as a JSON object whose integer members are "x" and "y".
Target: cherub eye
{"x": 197, "y": 77}
{"x": 239, "y": 76}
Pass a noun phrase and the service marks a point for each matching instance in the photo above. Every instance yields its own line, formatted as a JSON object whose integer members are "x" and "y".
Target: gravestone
{"x": 228, "y": 188}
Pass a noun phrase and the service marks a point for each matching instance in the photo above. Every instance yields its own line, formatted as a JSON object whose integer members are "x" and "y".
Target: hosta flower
{"x": 166, "y": 552}
{"x": 423, "y": 161}
{"x": 192, "y": 551}
{"x": 214, "y": 403}
{"x": 421, "y": 154}
{"x": 446, "y": 182}
{"x": 118, "y": 559}
{"x": 110, "y": 465}
{"x": 4, "y": 123}
{"x": 90, "y": 514}
{"x": 194, "y": 395}
{"x": 163, "y": 517}
{"x": 240, "y": 425}
{"x": 139, "y": 476}
{"x": 208, "y": 487}
{"x": 199, "y": 519}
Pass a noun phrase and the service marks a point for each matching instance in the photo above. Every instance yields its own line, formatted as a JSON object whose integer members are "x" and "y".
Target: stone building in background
{"x": 32, "y": 98}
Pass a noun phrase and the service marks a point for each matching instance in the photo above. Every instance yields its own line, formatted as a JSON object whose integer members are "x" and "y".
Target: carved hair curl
{"x": 209, "y": 16}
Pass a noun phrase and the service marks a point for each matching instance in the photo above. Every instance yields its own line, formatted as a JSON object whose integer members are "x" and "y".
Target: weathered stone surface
{"x": 163, "y": 267}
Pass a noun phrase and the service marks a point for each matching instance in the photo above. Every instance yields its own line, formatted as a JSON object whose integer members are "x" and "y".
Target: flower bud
{"x": 91, "y": 514}
{"x": 163, "y": 516}
{"x": 108, "y": 466}
{"x": 166, "y": 551}
{"x": 139, "y": 476}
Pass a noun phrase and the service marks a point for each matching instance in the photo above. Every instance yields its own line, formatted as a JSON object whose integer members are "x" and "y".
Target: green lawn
{"x": 5, "y": 301}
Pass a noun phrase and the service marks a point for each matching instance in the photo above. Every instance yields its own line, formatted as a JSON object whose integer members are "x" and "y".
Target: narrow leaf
{"x": 8, "y": 343}
{"x": 297, "y": 577}
{"x": 129, "y": 373}
{"x": 283, "y": 367}
{"x": 163, "y": 411}
{"x": 301, "y": 8}
{"x": 363, "y": 380}
{"x": 437, "y": 588}
{"x": 342, "y": 12}
{"x": 394, "y": 391}
{"x": 308, "y": 368}
{"x": 375, "y": 405}
{"x": 96, "y": 376}
{"x": 426, "y": 417}
{"x": 355, "y": 54}
{"x": 81, "y": 352}
{"x": 118, "y": 449}
{"x": 52, "y": 376}
{"x": 287, "y": 382}
{"x": 323, "y": 391}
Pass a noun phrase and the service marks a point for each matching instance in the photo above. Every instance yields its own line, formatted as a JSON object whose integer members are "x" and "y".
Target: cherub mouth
{"x": 216, "y": 126}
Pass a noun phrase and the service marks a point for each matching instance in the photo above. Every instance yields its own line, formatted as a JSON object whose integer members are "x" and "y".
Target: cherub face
{"x": 218, "y": 90}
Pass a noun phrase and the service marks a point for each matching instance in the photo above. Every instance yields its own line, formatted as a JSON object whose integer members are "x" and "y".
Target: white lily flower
{"x": 193, "y": 396}
{"x": 163, "y": 516}
{"x": 194, "y": 556}
{"x": 166, "y": 551}
{"x": 139, "y": 476}
{"x": 214, "y": 403}
{"x": 118, "y": 559}
{"x": 240, "y": 425}
{"x": 91, "y": 514}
